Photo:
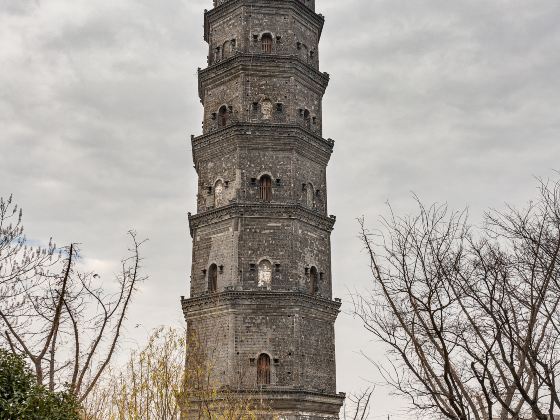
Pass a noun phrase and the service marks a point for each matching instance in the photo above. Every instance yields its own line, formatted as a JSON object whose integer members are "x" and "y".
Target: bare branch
{"x": 471, "y": 316}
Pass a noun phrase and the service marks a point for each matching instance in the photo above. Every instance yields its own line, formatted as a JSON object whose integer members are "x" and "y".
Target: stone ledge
{"x": 210, "y": 302}
{"x": 268, "y": 210}
{"x": 259, "y": 62}
{"x": 241, "y": 128}
{"x": 290, "y": 398}
{"x": 239, "y": 134}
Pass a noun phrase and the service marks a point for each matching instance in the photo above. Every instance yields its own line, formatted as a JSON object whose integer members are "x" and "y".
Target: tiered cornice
{"x": 294, "y": 211}
{"x": 279, "y": 398}
{"x": 244, "y": 300}
{"x": 260, "y": 63}
{"x": 239, "y": 135}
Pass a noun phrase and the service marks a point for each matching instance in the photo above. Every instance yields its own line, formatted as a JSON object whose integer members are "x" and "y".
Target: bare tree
{"x": 22, "y": 266}
{"x": 471, "y": 316}
{"x": 63, "y": 320}
{"x": 358, "y": 406}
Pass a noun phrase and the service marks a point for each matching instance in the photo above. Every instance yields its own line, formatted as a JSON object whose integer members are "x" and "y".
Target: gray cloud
{"x": 457, "y": 101}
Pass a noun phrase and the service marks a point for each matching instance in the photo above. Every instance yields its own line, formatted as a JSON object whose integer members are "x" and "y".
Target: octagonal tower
{"x": 261, "y": 286}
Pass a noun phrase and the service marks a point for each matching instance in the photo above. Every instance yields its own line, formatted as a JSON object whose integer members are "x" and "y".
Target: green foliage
{"x": 22, "y": 399}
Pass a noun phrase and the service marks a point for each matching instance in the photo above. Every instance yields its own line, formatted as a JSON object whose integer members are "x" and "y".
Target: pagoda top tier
{"x": 308, "y": 3}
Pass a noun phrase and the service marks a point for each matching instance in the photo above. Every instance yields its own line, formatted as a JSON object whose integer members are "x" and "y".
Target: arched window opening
{"x": 313, "y": 281}
{"x": 226, "y": 49}
{"x": 219, "y": 194}
{"x": 223, "y": 116}
{"x": 310, "y": 196}
{"x": 266, "y": 43}
{"x": 266, "y": 188}
{"x": 213, "y": 278}
{"x": 263, "y": 370}
{"x": 304, "y": 52}
{"x": 307, "y": 117}
{"x": 265, "y": 274}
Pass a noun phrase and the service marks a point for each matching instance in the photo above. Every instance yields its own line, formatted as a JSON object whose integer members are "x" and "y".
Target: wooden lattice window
{"x": 263, "y": 369}
{"x": 266, "y": 43}
{"x": 213, "y": 278}
{"x": 223, "y": 116}
{"x": 266, "y": 188}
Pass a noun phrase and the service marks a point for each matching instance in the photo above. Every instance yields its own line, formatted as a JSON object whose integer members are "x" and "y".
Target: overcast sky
{"x": 455, "y": 100}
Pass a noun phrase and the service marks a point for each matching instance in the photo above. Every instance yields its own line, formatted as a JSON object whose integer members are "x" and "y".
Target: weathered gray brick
{"x": 268, "y": 247}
